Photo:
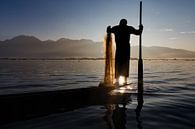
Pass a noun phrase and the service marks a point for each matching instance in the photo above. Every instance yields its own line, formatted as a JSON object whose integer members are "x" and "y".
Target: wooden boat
{"x": 28, "y": 105}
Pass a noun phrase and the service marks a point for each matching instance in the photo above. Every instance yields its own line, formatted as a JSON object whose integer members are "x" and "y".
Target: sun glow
{"x": 121, "y": 80}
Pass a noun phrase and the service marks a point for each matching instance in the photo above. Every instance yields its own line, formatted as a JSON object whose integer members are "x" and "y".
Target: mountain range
{"x": 32, "y": 47}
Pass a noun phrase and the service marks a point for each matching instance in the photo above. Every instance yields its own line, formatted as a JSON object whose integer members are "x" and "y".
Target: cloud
{"x": 172, "y": 38}
{"x": 167, "y": 30}
{"x": 183, "y": 32}
{"x": 187, "y": 32}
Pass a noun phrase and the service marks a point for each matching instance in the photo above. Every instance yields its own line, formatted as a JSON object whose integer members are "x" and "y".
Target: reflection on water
{"x": 108, "y": 115}
{"x": 115, "y": 116}
{"x": 140, "y": 102}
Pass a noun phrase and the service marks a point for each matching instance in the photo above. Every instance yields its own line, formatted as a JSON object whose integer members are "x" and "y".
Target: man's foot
{"x": 116, "y": 84}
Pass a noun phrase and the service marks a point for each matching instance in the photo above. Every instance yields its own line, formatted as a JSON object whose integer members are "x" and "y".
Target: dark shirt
{"x": 122, "y": 35}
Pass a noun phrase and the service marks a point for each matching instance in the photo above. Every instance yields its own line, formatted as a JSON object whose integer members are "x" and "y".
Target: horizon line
{"x": 86, "y": 58}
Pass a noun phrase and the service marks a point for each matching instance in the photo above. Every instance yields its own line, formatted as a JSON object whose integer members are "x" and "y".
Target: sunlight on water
{"x": 121, "y": 80}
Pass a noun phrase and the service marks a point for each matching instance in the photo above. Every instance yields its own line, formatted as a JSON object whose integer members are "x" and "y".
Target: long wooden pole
{"x": 140, "y": 72}
{"x": 140, "y": 61}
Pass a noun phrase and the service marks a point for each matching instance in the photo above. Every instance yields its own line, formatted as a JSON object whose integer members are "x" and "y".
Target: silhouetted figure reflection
{"x": 119, "y": 117}
{"x": 140, "y": 102}
{"x": 108, "y": 115}
{"x": 122, "y": 37}
{"x": 115, "y": 116}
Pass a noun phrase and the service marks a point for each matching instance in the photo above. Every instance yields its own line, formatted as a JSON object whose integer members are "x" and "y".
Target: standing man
{"x": 122, "y": 56}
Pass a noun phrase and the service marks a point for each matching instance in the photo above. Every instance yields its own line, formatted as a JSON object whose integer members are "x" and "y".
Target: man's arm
{"x": 109, "y": 30}
{"x": 112, "y": 29}
{"x": 135, "y": 31}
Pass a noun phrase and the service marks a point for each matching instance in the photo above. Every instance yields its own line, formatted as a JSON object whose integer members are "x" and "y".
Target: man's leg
{"x": 125, "y": 81}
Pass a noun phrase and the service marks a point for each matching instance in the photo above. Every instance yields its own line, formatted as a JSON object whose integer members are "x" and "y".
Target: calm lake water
{"x": 169, "y": 93}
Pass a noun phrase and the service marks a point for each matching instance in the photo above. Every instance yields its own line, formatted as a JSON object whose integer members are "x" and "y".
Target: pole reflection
{"x": 140, "y": 102}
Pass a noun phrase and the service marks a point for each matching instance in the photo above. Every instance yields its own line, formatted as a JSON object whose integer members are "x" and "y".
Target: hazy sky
{"x": 168, "y": 23}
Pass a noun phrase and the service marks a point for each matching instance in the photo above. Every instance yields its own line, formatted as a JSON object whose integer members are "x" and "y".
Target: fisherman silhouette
{"x": 122, "y": 34}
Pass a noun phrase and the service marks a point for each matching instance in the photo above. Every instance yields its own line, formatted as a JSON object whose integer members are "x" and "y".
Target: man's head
{"x": 123, "y": 22}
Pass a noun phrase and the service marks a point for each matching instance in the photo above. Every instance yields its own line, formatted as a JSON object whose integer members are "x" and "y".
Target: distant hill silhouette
{"x": 163, "y": 52}
{"x": 29, "y": 46}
